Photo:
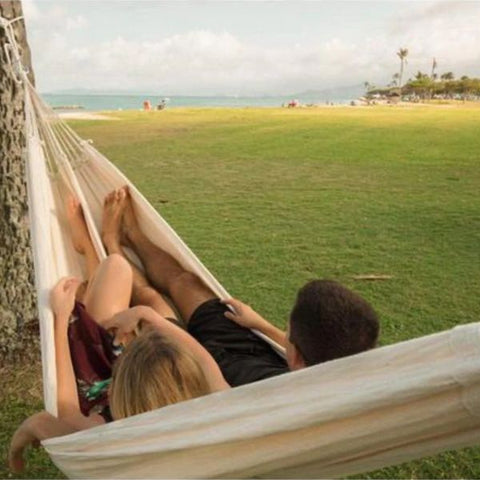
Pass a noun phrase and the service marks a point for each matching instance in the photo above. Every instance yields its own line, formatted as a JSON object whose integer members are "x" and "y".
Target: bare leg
{"x": 81, "y": 240}
{"x": 164, "y": 272}
{"x": 80, "y": 236}
{"x": 142, "y": 292}
{"x": 110, "y": 289}
{"x": 109, "y": 282}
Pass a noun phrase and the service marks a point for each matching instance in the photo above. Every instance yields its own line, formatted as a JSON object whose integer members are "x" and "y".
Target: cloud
{"x": 448, "y": 31}
{"x": 75, "y": 23}
{"x": 209, "y": 62}
{"x": 30, "y": 11}
{"x": 202, "y": 62}
{"x": 436, "y": 11}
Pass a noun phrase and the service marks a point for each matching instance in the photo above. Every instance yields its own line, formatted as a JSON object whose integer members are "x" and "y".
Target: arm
{"x": 62, "y": 300}
{"x": 43, "y": 425}
{"x": 32, "y": 431}
{"x": 67, "y": 396}
{"x": 127, "y": 321}
{"x": 245, "y": 316}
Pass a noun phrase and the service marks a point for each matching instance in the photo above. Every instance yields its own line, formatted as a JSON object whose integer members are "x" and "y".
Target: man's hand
{"x": 244, "y": 315}
{"x": 124, "y": 324}
{"x": 62, "y": 297}
{"x": 247, "y": 317}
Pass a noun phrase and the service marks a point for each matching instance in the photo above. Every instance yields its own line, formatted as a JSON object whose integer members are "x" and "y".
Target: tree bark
{"x": 18, "y": 310}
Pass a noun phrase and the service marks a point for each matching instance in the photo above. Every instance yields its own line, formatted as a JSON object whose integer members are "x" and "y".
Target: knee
{"x": 147, "y": 295}
{"x": 150, "y": 297}
{"x": 119, "y": 265}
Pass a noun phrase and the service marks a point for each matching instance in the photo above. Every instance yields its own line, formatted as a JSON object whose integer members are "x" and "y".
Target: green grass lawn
{"x": 270, "y": 198}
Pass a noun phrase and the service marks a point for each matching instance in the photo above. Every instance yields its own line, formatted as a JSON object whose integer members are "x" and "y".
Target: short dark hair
{"x": 330, "y": 321}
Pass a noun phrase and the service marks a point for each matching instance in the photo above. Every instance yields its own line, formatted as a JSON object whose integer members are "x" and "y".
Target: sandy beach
{"x": 85, "y": 116}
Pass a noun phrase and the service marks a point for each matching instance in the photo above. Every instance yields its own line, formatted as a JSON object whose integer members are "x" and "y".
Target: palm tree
{"x": 420, "y": 75}
{"x": 434, "y": 66}
{"x": 402, "y": 54}
{"x": 447, "y": 76}
{"x": 396, "y": 78}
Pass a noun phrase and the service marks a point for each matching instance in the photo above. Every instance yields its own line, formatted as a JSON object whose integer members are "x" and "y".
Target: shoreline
{"x": 105, "y": 114}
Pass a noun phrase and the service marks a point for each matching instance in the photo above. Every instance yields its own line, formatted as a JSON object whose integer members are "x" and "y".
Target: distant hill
{"x": 330, "y": 94}
{"x": 323, "y": 95}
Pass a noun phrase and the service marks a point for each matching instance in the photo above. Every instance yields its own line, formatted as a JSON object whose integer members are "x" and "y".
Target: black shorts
{"x": 242, "y": 356}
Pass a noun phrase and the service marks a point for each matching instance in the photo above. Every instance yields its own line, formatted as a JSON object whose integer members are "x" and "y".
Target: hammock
{"x": 347, "y": 416}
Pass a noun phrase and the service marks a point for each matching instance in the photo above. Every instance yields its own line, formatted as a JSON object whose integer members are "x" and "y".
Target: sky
{"x": 202, "y": 47}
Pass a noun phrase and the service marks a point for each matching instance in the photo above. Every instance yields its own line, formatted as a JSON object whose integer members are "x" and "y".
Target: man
{"x": 328, "y": 321}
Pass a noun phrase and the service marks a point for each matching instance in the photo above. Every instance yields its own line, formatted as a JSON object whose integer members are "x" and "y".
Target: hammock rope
{"x": 348, "y": 416}
{"x": 12, "y": 53}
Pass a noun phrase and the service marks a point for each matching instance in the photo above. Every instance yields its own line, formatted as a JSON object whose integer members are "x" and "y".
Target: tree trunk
{"x": 18, "y": 312}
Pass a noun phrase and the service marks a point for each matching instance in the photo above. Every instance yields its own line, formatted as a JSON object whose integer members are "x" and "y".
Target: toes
{"x": 110, "y": 197}
{"x": 73, "y": 206}
{"x": 128, "y": 194}
{"x": 116, "y": 196}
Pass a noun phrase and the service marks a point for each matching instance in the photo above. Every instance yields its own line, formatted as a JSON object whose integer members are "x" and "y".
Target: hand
{"x": 244, "y": 315}
{"x": 124, "y": 324}
{"x": 62, "y": 296}
{"x": 27, "y": 434}
{"x": 32, "y": 431}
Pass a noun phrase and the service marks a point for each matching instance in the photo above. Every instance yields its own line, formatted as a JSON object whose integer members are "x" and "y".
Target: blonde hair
{"x": 151, "y": 373}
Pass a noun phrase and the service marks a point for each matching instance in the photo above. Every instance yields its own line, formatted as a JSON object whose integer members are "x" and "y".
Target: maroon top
{"x": 93, "y": 355}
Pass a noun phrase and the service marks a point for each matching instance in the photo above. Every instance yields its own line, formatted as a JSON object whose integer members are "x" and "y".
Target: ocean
{"x": 135, "y": 102}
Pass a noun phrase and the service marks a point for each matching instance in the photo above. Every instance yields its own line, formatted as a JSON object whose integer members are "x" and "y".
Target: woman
{"x": 161, "y": 366}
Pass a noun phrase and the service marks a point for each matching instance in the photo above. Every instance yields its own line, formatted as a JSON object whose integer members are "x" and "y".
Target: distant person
{"x": 147, "y": 106}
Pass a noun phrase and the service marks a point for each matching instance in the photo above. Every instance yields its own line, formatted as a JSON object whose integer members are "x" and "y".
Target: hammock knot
{"x": 12, "y": 52}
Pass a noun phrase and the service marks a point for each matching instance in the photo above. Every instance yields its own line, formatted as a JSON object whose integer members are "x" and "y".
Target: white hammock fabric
{"x": 348, "y": 416}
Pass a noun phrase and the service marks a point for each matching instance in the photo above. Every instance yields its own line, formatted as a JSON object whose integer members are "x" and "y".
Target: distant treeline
{"x": 425, "y": 86}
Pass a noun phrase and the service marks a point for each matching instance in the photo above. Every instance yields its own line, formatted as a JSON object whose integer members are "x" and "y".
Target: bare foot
{"x": 113, "y": 210}
{"x": 78, "y": 226}
{"x": 129, "y": 221}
